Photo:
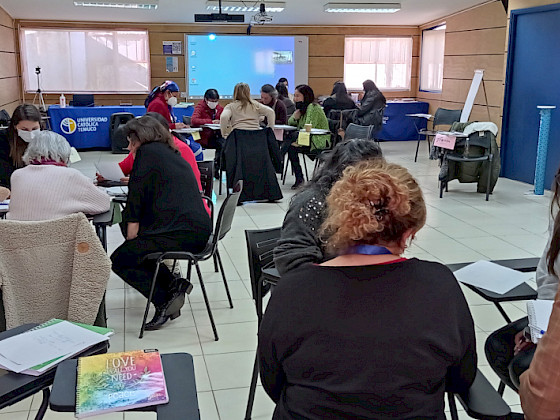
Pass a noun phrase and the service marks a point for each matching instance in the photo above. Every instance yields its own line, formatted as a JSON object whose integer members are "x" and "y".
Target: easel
{"x": 469, "y": 102}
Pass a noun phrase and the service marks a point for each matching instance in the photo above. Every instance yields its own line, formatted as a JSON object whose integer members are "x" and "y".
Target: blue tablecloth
{"x": 397, "y": 126}
{"x": 88, "y": 127}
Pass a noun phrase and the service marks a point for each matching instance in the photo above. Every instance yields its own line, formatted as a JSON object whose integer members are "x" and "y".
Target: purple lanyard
{"x": 368, "y": 250}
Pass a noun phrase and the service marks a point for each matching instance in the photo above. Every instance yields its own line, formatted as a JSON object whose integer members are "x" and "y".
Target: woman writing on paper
{"x": 164, "y": 212}
{"x": 162, "y": 99}
{"x": 24, "y": 126}
{"x": 244, "y": 113}
{"x": 269, "y": 97}
{"x": 307, "y": 112}
{"x": 371, "y": 108}
{"x": 508, "y": 350}
{"x": 368, "y": 334}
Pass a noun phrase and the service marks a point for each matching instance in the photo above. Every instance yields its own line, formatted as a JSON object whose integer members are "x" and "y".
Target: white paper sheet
{"x": 109, "y": 170}
{"x": 492, "y": 277}
{"x": 26, "y": 350}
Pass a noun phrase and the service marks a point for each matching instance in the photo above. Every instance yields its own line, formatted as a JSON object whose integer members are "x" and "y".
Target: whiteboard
{"x": 471, "y": 95}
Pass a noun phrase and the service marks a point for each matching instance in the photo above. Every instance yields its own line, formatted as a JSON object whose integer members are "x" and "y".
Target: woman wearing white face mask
{"x": 24, "y": 125}
{"x": 208, "y": 111}
{"x": 162, "y": 99}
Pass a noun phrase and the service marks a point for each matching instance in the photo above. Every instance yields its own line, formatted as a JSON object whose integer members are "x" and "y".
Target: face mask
{"x": 172, "y": 101}
{"x": 212, "y": 105}
{"x": 299, "y": 105}
{"x": 27, "y": 136}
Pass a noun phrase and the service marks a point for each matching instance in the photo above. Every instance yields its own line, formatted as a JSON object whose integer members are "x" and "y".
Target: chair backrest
{"x": 187, "y": 120}
{"x": 260, "y": 244}
{"x": 82, "y": 100}
{"x": 206, "y": 169}
{"x": 446, "y": 116}
{"x": 226, "y": 213}
{"x": 354, "y": 131}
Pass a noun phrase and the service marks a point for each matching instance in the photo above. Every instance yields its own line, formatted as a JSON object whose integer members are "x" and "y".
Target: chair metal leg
{"x": 149, "y": 299}
{"x": 452, "y": 406}
{"x": 285, "y": 169}
{"x": 501, "y": 388}
{"x": 44, "y": 404}
{"x": 216, "y": 269}
{"x": 217, "y": 254}
{"x": 441, "y": 187}
{"x": 417, "y": 148}
{"x": 489, "y": 177}
{"x": 206, "y": 301}
{"x": 252, "y": 389}
{"x": 506, "y": 317}
{"x": 305, "y": 166}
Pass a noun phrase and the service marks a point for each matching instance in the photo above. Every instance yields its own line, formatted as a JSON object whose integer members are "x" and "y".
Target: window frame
{"x": 443, "y": 27}
{"x": 383, "y": 89}
{"x": 32, "y": 80}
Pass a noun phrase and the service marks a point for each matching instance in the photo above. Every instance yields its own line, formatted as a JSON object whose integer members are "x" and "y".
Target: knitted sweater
{"x": 315, "y": 116}
{"x": 248, "y": 118}
{"x": 41, "y": 192}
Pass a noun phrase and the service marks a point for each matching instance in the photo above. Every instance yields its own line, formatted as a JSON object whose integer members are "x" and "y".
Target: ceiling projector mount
{"x": 219, "y": 17}
{"x": 261, "y": 17}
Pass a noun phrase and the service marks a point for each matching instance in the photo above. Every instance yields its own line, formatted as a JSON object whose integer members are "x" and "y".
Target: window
{"x": 431, "y": 67}
{"x": 386, "y": 61}
{"x": 84, "y": 61}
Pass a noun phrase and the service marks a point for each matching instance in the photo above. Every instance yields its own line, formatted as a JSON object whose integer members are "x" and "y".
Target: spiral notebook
{"x": 538, "y": 312}
{"x": 119, "y": 381}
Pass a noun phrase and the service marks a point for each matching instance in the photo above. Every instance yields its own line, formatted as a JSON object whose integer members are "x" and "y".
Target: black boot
{"x": 299, "y": 183}
{"x": 160, "y": 318}
{"x": 170, "y": 310}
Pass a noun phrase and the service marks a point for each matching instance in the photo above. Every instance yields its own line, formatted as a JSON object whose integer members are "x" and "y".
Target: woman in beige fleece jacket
{"x": 244, "y": 113}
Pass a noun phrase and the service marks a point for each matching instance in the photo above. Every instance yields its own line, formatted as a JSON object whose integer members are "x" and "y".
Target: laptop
{"x": 82, "y": 100}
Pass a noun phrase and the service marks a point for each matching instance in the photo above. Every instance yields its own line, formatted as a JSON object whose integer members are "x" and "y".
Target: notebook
{"x": 119, "y": 381}
{"x": 539, "y": 312}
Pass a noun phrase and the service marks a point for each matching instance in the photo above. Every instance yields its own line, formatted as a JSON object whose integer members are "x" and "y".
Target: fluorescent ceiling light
{"x": 146, "y": 4}
{"x": 245, "y": 6}
{"x": 362, "y": 7}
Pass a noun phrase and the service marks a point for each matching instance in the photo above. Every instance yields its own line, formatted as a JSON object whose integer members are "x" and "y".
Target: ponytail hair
{"x": 554, "y": 248}
{"x": 167, "y": 85}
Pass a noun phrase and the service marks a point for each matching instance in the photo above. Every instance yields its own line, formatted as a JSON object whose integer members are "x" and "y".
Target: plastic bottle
{"x": 62, "y": 100}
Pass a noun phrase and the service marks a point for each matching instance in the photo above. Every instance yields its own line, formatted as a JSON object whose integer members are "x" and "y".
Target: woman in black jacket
{"x": 164, "y": 212}
{"x": 338, "y": 100}
{"x": 25, "y": 122}
{"x": 371, "y": 108}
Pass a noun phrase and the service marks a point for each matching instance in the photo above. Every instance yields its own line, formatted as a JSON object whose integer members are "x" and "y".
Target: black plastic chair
{"x": 475, "y": 139}
{"x": 260, "y": 245}
{"x": 119, "y": 141}
{"x": 355, "y": 131}
{"x": 223, "y": 226}
{"x": 442, "y": 117}
{"x": 206, "y": 169}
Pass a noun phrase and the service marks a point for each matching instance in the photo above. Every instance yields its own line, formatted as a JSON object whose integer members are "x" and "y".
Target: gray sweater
{"x": 547, "y": 284}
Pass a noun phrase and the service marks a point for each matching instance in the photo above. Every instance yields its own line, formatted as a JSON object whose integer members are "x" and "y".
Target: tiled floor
{"x": 460, "y": 227}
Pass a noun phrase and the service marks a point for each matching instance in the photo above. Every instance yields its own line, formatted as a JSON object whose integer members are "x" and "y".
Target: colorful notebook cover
{"x": 119, "y": 381}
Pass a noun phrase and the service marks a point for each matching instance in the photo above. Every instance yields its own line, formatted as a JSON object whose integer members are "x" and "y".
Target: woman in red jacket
{"x": 162, "y": 99}
{"x": 208, "y": 111}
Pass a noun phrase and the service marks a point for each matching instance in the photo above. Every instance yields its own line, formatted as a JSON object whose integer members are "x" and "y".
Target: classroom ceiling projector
{"x": 219, "y": 17}
{"x": 261, "y": 17}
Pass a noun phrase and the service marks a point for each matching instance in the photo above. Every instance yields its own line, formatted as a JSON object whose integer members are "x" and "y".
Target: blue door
{"x": 532, "y": 78}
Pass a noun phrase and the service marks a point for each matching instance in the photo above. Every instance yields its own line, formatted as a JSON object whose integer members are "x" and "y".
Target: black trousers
{"x": 499, "y": 352}
{"x": 292, "y": 151}
{"x": 128, "y": 261}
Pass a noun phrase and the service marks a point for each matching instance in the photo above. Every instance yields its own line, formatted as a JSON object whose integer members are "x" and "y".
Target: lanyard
{"x": 368, "y": 250}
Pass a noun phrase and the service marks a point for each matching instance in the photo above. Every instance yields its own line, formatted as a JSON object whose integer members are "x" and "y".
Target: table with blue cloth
{"x": 89, "y": 127}
{"x": 397, "y": 126}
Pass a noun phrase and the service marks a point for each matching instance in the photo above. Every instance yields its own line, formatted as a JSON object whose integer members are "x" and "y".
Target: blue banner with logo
{"x": 397, "y": 125}
{"x": 89, "y": 127}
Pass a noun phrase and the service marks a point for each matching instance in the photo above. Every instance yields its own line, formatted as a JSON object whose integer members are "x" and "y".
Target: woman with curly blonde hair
{"x": 368, "y": 334}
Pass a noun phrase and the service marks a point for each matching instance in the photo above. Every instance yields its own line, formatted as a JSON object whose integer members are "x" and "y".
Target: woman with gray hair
{"x": 47, "y": 189}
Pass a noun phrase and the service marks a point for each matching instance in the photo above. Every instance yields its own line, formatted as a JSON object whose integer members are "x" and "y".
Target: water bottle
{"x": 62, "y": 101}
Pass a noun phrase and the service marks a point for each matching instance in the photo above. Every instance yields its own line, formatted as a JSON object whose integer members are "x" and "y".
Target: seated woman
{"x": 371, "y": 108}
{"x": 307, "y": 112}
{"x": 284, "y": 96}
{"x": 164, "y": 212}
{"x": 162, "y": 99}
{"x": 368, "y": 334}
{"x": 269, "y": 97}
{"x": 208, "y": 111}
{"x": 338, "y": 100}
{"x": 299, "y": 242}
{"x": 244, "y": 113}
{"x": 24, "y": 126}
{"x": 47, "y": 189}
{"x": 508, "y": 350}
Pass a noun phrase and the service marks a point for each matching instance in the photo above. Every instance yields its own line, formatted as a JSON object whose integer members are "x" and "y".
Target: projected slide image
{"x": 224, "y": 61}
